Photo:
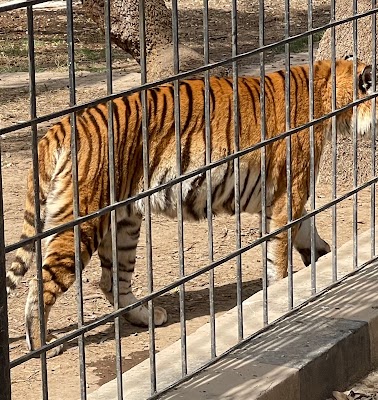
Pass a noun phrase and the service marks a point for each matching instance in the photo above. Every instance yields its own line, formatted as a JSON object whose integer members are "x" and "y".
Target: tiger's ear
{"x": 365, "y": 80}
{"x": 348, "y": 57}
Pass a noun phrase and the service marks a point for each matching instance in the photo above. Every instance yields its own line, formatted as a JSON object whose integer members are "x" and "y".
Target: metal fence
{"x": 83, "y": 326}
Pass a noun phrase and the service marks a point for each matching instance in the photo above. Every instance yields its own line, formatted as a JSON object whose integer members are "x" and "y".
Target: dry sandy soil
{"x": 15, "y": 158}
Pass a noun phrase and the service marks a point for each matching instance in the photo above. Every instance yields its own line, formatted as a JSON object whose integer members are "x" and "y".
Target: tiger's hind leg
{"x": 58, "y": 274}
{"x": 302, "y": 242}
{"x": 128, "y": 229}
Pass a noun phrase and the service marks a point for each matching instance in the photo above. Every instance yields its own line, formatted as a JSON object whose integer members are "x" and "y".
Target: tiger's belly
{"x": 194, "y": 195}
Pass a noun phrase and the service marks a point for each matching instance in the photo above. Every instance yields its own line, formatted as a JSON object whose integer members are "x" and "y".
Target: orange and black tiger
{"x": 56, "y": 185}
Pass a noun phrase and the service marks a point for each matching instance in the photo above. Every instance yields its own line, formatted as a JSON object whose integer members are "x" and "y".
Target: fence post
{"x": 5, "y": 385}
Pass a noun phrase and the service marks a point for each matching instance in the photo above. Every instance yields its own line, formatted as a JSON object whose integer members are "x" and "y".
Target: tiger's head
{"x": 346, "y": 84}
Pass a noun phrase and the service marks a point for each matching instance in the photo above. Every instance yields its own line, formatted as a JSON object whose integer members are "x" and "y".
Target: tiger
{"x": 56, "y": 183}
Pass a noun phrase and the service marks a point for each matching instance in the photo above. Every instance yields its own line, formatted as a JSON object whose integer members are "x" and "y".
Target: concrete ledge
{"x": 325, "y": 346}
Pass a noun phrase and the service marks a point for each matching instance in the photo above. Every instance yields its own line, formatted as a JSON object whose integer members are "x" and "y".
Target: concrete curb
{"x": 325, "y": 346}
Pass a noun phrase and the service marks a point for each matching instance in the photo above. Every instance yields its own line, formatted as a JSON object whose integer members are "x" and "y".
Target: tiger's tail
{"x": 48, "y": 154}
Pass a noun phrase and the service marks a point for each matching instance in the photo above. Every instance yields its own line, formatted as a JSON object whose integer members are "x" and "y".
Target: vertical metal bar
{"x": 373, "y": 130}
{"x": 209, "y": 201}
{"x": 236, "y": 116}
{"x": 5, "y": 379}
{"x": 312, "y": 144}
{"x": 288, "y": 158}
{"x": 176, "y": 87}
{"x": 355, "y": 173}
{"x": 37, "y": 205}
{"x": 76, "y": 199}
{"x": 334, "y": 144}
{"x": 113, "y": 197}
{"x": 263, "y": 164}
{"x": 147, "y": 200}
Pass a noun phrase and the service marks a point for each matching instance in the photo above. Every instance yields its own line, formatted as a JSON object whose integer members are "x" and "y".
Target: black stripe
{"x": 282, "y": 75}
{"x": 95, "y": 240}
{"x": 212, "y": 100}
{"x": 252, "y": 191}
{"x": 186, "y": 152}
{"x": 86, "y": 240}
{"x": 220, "y": 188}
{"x": 123, "y": 223}
{"x": 62, "y": 167}
{"x": 64, "y": 211}
{"x": 126, "y": 247}
{"x": 252, "y": 100}
{"x": 164, "y": 110}
{"x": 105, "y": 262}
{"x": 20, "y": 271}
{"x": 245, "y": 183}
{"x": 228, "y": 126}
{"x": 297, "y": 99}
{"x": 116, "y": 120}
{"x": 125, "y": 267}
{"x": 84, "y": 131}
{"x": 269, "y": 85}
{"x": 55, "y": 279}
{"x": 189, "y": 94}
{"x": 10, "y": 284}
{"x": 101, "y": 113}
{"x": 229, "y": 82}
{"x": 29, "y": 217}
{"x": 227, "y": 204}
{"x": 154, "y": 98}
{"x": 305, "y": 73}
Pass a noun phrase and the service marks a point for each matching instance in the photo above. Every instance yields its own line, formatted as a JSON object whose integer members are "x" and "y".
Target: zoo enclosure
{"x": 32, "y": 124}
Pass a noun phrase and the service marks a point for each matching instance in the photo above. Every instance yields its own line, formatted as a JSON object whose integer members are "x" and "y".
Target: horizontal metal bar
{"x": 21, "y": 4}
{"x": 172, "y": 78}
{"x": 103, "y": 320}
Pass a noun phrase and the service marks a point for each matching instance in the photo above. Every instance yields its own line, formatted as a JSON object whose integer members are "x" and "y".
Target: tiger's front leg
{"x": 277, "y": 246}
{"x": 128, "y": 230}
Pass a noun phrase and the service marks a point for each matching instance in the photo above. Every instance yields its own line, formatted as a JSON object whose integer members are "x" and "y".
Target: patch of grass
{"x": 13, "y": 55}
{"x": 299, "y": 45}
{"x": 50, "y": 43}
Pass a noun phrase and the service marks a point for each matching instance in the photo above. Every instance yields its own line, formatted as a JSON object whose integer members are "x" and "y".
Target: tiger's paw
{"x": 139, "y": 316}
{"x": 55, "y": 351}
{"x": 160, "y": 315}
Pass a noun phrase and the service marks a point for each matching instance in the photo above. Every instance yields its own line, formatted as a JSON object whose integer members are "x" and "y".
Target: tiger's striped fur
{"x": 56, "y": 178}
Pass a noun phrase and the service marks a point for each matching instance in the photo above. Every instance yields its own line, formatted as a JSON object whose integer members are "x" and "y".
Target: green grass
{"x": 50, "y": 54}
{"x": 299, "y": 45}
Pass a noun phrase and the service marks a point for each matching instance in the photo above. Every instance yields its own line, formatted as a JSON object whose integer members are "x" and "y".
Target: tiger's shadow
{"x": 197, "y": 304}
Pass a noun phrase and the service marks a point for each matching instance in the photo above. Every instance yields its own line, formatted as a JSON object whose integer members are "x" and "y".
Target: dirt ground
{"x": 52, "y": 95}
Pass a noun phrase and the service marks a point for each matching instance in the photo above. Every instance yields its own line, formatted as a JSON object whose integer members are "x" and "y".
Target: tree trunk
{"x": 125, "y": 34}
{"x": 344, "y": 47}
